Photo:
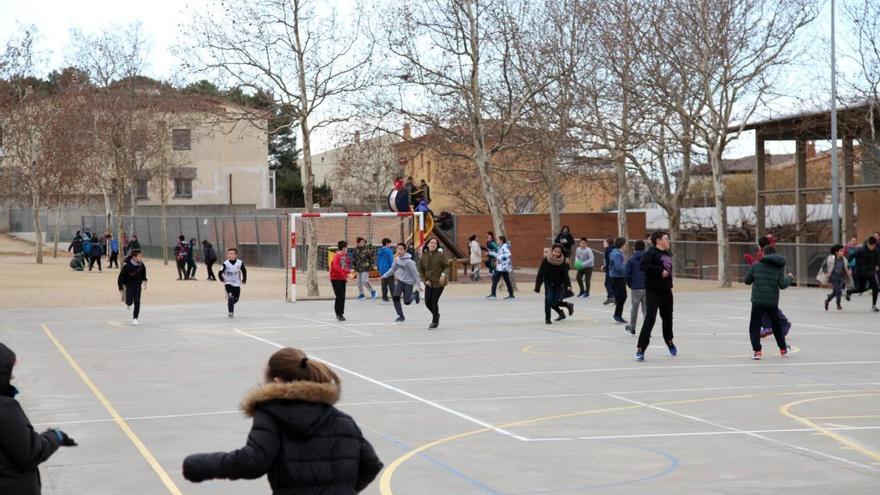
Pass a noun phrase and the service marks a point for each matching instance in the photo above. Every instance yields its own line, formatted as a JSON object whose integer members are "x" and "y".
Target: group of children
{"x": 402, "y": 277}
{"x": 90, "y": 248}
{"x": 184, "y": 256}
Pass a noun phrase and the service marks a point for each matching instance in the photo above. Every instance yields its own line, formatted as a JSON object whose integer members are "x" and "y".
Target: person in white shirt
{"x": 233, "y": 274}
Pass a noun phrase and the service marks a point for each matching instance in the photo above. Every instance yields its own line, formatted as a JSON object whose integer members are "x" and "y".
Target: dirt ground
{"x": 54, "y": 284}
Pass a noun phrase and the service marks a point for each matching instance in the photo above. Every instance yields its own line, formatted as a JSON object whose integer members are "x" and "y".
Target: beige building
{"x": 217, "y": 162}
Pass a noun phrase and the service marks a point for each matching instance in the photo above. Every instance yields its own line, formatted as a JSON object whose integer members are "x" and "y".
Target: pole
{"x": 292, "y": 258}
{"x": 835, "y": 180}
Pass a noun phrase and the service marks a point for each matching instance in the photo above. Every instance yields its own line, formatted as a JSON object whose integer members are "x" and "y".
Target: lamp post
{"x": 835, "y": 180}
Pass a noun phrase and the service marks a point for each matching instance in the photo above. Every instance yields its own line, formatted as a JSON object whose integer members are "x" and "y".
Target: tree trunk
{"x": 680, "y": 256}
{"x": 108, "y": 209}
{"x": 622, "y": 196}
{"x": 57, "y": 231}
{"x": 163, "y": 227}
{"x": 720, "y": 217}
{"x": 38, "y": 230}
{"x": 488, "y": 184}
{"x": 551, "y": 178}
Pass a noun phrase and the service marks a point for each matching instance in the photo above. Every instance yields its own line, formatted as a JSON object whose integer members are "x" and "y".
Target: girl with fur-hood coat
{"x": 303, "y": 443}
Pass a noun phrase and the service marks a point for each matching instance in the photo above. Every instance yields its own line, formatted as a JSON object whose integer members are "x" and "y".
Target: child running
{"x": 836, "y": 271}
{"x": 131, "y": 281}
{"x": 383, "y": 263}
{"x": 432, "y": 268}
{"x": 406, "y": 276}
{"x": 617, "y": 273}
{"x": 363, "y": 263}
{"x": 635, "y": 279}
{"x": 865, "y": 271}
{"x": 233, "y": 274}
{"x": 657, "y": 265}
{"x": 583, "y": 263}
{"x": 553, "y": 275}
{"x": 339, "y": 268}
{"x": 298, "y": 438}
{"x": 767, "y": 279}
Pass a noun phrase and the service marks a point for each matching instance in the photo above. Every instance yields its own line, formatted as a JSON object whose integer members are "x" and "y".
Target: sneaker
{"x": 385, "y": 300}
{"x": 361, "y": 297}
{"x": 134, "y": 322}
{"x": 618, "y": 319}
{"x": 491, "y": 296}
{"x": 400, "y": 319}
{"x": 630, "y": 329}
{"x": 417, "y": 297}
{"x": 570, "y": 307}
{"x": 783, "y": 352}
{"x": 827, "y": 302}
{"x": 756, "y": 356}
{"x": 673, "y": 351}
{"x": 581, "y": 294}
{"x": 839, "y": 307}
{"x": 875, "y": 309}
{"x": 640, "y": 356}
{"x": 433, "y": 325}
{"x": 848, "y": 296}
{"x": 509, "y": 298}
{"x": 340, "y": 318}
{"x": 560, "y": 317}
{"x": 373, "y": 294}
{"x": 547, "y": 321}
{"x": 608, "y": 301}
{"x": 230, "y": 315}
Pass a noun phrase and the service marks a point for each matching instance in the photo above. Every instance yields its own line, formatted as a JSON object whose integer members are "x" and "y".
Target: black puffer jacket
{"x": 866, "y": 261}
{"x": 553, "y": 275}
{"x": 654, "y": 262}
{"x": 304, "y": 444}
{"x": 21, "y": 448}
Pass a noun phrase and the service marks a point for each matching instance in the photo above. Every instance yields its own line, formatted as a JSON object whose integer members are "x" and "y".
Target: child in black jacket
{"x": 657, "y": 265}
{"x": 553, "y": 274}
{"x": 132, "y": 280}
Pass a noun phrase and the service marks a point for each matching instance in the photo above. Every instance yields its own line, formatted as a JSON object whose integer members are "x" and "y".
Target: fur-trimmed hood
{"x": 320, "y": 393}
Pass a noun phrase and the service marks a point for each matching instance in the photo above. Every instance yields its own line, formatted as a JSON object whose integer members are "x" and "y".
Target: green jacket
{"x": 363, "y": 258}
{"x": 767, "y": 277}
{"x": 432, "y": 266}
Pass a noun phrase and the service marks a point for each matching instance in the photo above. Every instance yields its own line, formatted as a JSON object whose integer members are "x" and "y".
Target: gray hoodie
{"x": 404, "y": 270}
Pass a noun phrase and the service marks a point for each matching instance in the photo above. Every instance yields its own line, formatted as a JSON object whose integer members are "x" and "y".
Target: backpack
{"x": 182, "y": 252}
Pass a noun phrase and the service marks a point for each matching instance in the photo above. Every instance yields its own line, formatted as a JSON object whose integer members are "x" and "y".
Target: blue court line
{"x": 446, "y": 467}
{"x": 673, "y": 465}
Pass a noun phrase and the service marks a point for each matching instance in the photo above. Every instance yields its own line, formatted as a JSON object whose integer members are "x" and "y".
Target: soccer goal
{"x": 330, "y": 228}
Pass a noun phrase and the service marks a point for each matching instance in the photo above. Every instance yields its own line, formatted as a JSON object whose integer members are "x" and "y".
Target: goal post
{"x": 373, "y": 226}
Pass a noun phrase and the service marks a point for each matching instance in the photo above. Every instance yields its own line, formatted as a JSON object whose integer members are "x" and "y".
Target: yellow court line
{"x": 786, "y": 411}
{"x": 163, "y": 475}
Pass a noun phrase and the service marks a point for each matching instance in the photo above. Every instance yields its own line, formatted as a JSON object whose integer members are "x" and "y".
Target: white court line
{"x": 445, "y": 342}
{"x": 629, "y": 368}
{"x": 384, "y": 385}
{"x": 743, "y": 432}
{"x": 324, "y": 323}
{"x": 697, "y": 434}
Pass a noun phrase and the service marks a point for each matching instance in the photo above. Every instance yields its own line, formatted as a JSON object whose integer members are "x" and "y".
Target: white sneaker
{"x": 134, "y": 322}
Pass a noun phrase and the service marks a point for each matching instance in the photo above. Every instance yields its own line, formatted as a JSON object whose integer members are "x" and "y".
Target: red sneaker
{"x": 757, "y": 356}
{"x": 783, "y": 352}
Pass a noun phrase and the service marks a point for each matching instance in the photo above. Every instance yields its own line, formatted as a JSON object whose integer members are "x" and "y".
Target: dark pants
{"x": 553, "y": 299}
{"x": 837, "y": 286}
{"x": 609, "y": 287}
{"x": 619, "y": 285}
{"x": 432, "y": 298}
{"x": 387, "y": 288}
{"x": 181, "y": 269}
{"x": 862, "y": 284}
{"x": 232, "y": 295}
{"x": 209, "y": 266}
{"x": 400, "y": 289}
{"x": 191, "y": 268}
{"x": 498, "y": 276}
{"x": 133, "y": 296}
{"x": 339, "y": 292}
{"x": 758, "y": 315}
{"x": 114, "y": 260}
{"x": 656, "y": 300}
{"x": 584, "y": 277}
{"x": 92, "y": 261}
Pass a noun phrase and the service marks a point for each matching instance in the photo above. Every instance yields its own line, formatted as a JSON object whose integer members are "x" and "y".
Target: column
{"x": 760, "y": 185}
{"x": 849, "y": 223}
{"x": 801, "y": 207}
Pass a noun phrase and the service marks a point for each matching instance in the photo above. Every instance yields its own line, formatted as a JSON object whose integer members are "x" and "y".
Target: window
{"x": 183, "y": 188}
{"x": 138, "y": 140}
{"x": 141, "y": 189}
{"x": 180, "y": 139}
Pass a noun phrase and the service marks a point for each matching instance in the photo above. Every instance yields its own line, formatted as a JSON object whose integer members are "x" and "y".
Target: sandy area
{"x": 54, "y": 284}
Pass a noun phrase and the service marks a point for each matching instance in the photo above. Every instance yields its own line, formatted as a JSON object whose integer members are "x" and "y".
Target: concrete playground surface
{"x": 493, "y": 402}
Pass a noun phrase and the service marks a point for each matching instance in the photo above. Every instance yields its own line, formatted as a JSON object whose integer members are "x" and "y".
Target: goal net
{"x": 327, "y": 229}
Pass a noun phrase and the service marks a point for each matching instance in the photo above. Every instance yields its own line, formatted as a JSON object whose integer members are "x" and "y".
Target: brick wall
{"x": 530, "y": 234}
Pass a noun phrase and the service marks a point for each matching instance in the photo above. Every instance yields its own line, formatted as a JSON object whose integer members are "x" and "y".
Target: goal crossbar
{"x": 417, "y": 216}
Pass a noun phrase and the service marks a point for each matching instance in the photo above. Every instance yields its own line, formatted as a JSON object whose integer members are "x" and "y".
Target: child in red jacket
{"x": 339, "y": 269}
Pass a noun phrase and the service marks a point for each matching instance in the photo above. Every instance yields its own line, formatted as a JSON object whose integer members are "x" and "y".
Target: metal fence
{"x": 258, "y": 238}
{"x": 699, "y": 259}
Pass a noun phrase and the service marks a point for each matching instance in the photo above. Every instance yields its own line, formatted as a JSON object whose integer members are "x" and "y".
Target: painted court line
{"x": 696, "y": 434}
{"x": 628, "y": 368}
{"x": 147, "y": 455}
{"x": 398, "y": 390}
{"x": 332, "y": 325}
{"x": 742, "y": 432}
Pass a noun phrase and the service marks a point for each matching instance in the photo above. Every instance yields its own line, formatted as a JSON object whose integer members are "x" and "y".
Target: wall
{"x": 529, "y": 234}
{"x": 868, "y": 219}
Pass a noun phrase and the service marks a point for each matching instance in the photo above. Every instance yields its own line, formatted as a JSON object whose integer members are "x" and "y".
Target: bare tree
{"x": 864, "y": 18}
{"x": 465, "y": 77}
{"x": 300, "y": 49}
{"x": 734, "y": 49}
{"x": 364, "y": 169}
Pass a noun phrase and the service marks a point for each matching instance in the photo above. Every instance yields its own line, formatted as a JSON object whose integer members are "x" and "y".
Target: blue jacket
{"x": 635, "y": 277}
{"x": 385, "y": 259}
{"x": 618, "y": 264}
{"x": 114, "y": 246}
{"x": 87, "y": 247}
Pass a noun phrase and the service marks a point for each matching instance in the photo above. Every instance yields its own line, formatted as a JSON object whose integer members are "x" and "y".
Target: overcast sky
{"x": 160, "y": 20}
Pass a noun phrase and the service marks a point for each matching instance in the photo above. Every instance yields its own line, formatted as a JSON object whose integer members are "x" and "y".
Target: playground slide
{"x": 451, "y": 246}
